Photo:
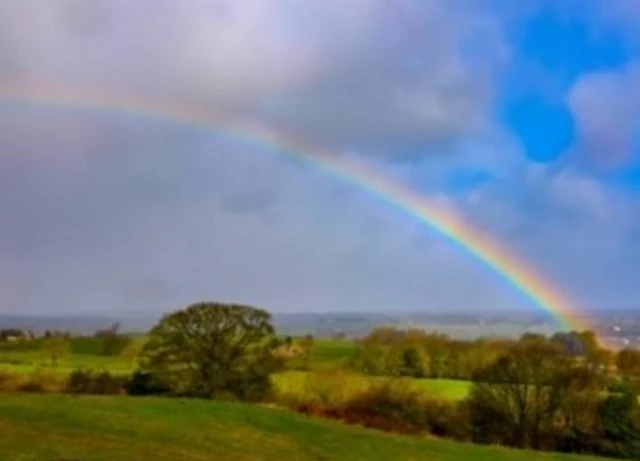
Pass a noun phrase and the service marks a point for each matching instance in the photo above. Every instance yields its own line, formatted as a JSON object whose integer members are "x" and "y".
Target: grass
{"x": 342, "y": 384}
{"x": 51, "y": 427}
{"x": 446, "y": 388}
{"x": 328, "y": 356}
{"x": 28, "y": 356}
{"x": 328, "y": 352}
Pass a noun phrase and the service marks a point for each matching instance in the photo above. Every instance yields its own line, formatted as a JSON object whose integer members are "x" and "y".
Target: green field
{"x": 344, "y": 384}
{"x": 328, "y": 355}
{"x": 51, "y": 427}
{"x": 332, "y": 352}
{"x": 29, "y": 361}
{"x": 85, "y": 353}
{"x": 447, "y": 388}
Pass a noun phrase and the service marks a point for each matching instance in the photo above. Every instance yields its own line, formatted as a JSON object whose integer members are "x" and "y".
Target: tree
{"x": 296, "y": 352}
{"x": 577, "y": 393}
{"x": 307, "y": 344}
{"x": 412, "y": 363}
{"x": 620, "y": 417}
{"x": 210, "y": 349}
{"x": 628, "y": 364}
{"x": 55, "y": 348}
{"x": 571, "y": 342}
{"x": 132, "y": 351}
{"x": 512, "y": 400}
{"x": 112, "y": 342}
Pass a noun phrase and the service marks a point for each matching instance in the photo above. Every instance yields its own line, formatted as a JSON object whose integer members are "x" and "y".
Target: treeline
{"x": 108, "y": 342}
{"x": 537, "y": 395}
{"x": 563, "y": 393}
{"x": 418, "y": 354}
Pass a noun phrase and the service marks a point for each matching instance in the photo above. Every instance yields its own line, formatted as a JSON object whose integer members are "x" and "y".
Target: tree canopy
{"x": 210, "y": 349}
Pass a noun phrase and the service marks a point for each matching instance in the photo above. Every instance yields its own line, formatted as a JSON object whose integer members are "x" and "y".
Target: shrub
{"x": 620, "y": 419}
{"x": 447, "y": 419}
{"x": 95, "y": 382}
{"x": 33, "y": 385}
{"x": 389, "y": 406}
{"x": 318, "y": 392}
{"x": 145, "y": 383}
{"x": 37, "y": 381}
{"x": 4, "y": 380}
{"x": 250, "y": 388}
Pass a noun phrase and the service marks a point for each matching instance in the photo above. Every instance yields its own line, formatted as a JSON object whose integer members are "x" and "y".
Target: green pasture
{"x": 340, "y": 385}
{"x": 328, "y": 352}
{"x": 328, "y": 359}
{"x": 56, "y": 427}
{"x": 29, "y": 361}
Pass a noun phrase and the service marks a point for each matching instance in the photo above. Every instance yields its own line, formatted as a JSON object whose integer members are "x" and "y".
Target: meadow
{"x": 125, "y": 428}
{"x": 326, "y": 403}
{"x": 339, "y": 385}
{"x": 327, "y": 373}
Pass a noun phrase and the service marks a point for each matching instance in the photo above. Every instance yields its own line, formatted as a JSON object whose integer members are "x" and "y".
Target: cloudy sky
{"x": 524, "y": 117}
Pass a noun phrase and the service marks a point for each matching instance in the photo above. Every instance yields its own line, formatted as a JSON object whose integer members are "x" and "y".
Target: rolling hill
{"x": 55, "y": 427}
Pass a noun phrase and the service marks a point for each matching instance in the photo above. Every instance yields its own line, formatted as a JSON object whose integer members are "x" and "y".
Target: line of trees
{"x": 415, "y": 353}
{"x": 563, "y": 392}
{"x": 536, "y": 395}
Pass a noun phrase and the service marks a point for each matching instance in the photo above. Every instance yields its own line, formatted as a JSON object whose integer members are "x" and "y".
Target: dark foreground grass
{"x": 53, "y": 427}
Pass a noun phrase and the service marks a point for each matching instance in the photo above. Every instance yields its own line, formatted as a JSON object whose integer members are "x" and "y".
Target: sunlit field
{"x": 288, "y": 382}
{"x": 29, "y": 361}
{"x": 327, "y": 352}
{"x": 329, "y": 364}
{"x": 343, "y": 384}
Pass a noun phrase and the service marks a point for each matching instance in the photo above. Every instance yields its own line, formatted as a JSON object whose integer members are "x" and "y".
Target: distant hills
{"x": 74, "y": 323}
{"x": 331, "y": 323}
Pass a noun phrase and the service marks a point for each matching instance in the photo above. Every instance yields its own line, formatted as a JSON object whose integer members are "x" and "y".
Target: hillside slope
{"x": 51, "y": 427}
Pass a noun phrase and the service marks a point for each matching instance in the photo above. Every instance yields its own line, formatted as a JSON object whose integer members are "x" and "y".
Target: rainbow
{"x": 448, "y": 224}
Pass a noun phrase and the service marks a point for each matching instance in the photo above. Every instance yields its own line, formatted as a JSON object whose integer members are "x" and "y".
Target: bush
{"x": 145, "y": 383}
{"x": 448, "y": 419}
{"x": 317, "y": 392}
{"x": 37, "y": 381}
{"x": 620, "y": 418}
{"x": 252, "y": 388}
{"x": 95, "y": 382}
{"x": 391, "y": 406}
{"x": 396, "y": 406}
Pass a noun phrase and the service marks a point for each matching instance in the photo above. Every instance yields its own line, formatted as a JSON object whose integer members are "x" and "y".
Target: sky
{"x": 522, "y": 117}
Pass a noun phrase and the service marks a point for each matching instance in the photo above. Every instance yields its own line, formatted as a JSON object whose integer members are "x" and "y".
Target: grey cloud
{"x": 336, "y": 72}
{"x": 606, "y": 106}
{"x": 92, "y": 237}
{"x": 577, "y": 233}
{"x": 109, "y": 212}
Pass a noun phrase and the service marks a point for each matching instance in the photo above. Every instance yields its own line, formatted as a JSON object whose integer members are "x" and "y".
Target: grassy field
{"x": 84, "y": 353}
{"x": 29, "y": 361}
{"x": 328, "y": 354}
{"x": 51, "y": 427}
{"x": 446, "y": 388}
{"x": 343, "y": 384}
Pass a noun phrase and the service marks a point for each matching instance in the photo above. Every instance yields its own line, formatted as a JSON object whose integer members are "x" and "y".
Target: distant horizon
{"x": 396, "y": 313}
